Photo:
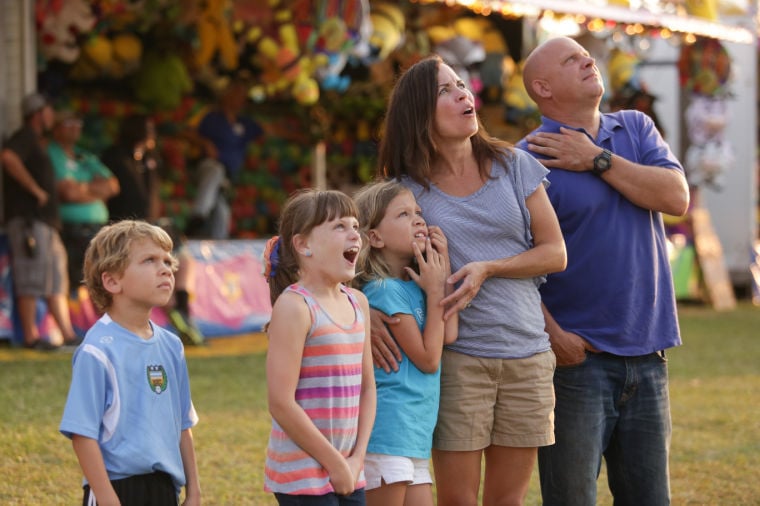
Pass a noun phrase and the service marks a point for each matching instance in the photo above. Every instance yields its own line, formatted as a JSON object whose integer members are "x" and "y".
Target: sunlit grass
{"x": 715, "y": 395}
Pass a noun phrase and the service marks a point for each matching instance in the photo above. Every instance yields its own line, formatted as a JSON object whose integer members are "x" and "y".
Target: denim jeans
{"x": 357, "y": 498}
{"x": 616, "y": 407}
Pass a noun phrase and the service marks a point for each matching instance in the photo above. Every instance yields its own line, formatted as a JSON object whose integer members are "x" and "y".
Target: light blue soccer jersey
{"x": 132, "y": 396}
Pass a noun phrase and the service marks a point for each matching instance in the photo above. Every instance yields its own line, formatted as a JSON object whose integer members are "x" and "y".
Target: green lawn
{"x": 715, "y": 392}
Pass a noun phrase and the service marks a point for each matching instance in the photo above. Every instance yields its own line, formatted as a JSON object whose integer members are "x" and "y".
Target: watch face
{"x": 602, "y": 161}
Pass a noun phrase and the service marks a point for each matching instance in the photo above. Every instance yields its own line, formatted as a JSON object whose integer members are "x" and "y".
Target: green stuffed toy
{"x": 162, "y": 81}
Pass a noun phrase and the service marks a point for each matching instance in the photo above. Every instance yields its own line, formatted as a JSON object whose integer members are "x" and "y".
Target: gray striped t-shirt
{"x": 505, "y": 319}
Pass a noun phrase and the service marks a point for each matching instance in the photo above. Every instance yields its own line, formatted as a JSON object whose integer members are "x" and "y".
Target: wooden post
{"x": 720, "y": 291}
{"x": 319, "y": 166}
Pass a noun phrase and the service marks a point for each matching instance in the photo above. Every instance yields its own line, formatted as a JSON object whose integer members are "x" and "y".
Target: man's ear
{"x": 541, "y": 88}
{"x": 375, "y": 240}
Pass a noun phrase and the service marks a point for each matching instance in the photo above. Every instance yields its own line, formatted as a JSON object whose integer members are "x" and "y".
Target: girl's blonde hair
{"x": 109, "y": 252}
{"x": 372, "y": 201}
{"x": 303, "y": 211}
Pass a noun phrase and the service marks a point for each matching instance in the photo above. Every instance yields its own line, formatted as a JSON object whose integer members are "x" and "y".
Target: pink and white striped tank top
{"x": 328, "y": 389}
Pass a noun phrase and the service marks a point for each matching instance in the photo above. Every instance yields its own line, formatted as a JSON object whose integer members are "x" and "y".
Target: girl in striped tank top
{"x": 320, "y": 382}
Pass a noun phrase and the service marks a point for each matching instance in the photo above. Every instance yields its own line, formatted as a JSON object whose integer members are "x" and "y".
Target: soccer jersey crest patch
{"x": 157, "y": 378}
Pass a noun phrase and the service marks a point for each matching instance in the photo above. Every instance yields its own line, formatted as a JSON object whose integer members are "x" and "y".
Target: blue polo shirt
{"x": 617, "y": 291}
{"x": 231, "y": 139}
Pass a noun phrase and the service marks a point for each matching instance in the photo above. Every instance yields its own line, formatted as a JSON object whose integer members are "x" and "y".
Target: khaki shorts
{"x": 40, "y": 272}
{"x": 490, "y": 401}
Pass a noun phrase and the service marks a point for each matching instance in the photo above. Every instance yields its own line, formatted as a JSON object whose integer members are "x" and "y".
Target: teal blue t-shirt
{"x": 407, "y": 400}
{"x": 85, "y": 167}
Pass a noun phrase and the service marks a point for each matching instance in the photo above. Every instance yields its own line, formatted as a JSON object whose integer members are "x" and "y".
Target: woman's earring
{"x": 307, "y": 253}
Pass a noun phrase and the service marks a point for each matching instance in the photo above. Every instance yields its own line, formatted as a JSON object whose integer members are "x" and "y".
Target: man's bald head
{"x": 560, "y": 75}
{"x": 539, "y": 60}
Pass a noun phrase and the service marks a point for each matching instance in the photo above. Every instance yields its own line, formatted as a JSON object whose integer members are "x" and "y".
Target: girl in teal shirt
{"x": 396, "y": 237}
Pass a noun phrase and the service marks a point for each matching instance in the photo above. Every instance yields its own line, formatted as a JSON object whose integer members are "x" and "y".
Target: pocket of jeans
{"x": 586, "y": 355}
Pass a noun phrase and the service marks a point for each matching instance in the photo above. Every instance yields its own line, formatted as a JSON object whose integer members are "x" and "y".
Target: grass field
{"x": 715, "y": 395}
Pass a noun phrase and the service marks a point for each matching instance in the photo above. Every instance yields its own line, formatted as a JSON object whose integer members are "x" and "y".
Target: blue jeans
{"x": 354, "y": 499}
{"x": 616, "y": 407}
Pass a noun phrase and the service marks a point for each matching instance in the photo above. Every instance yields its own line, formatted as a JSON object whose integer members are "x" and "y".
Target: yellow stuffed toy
{"x": 95, "y": 57}
{"x": 388, "y": 29}
{"x": 215, "y": 35}
{"x": 100, "y": 56}
{"x": 285, "y": 70}
{"x": 621, "y": 68}
{"x": 520, "y": 108}
{"x": 126, "y": 50}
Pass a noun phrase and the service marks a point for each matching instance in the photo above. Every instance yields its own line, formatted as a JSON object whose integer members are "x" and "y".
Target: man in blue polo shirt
{"x": 611, "y": 314}
{"x": 225, "y": 134}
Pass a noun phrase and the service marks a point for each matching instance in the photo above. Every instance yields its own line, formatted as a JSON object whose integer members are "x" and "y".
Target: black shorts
{"x": 154, "y": 489}
{"x": 76, "y": 237}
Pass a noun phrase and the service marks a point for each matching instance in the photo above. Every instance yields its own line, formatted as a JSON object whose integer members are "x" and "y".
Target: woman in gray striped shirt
{"x": 497, "y": 397}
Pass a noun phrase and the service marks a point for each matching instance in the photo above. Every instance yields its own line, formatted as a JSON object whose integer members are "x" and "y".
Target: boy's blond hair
{"x": 109, "y": 252}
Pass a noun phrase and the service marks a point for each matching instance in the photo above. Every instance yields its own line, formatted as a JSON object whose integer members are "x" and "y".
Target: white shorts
{"x": 380, "y": 468}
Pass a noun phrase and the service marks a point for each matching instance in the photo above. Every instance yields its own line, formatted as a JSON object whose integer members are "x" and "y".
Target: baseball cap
{"x": 66, "y": 115}
{"x": 33, "y": 103}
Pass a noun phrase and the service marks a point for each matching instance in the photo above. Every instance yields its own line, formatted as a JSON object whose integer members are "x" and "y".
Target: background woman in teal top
{"x": 84, "y": 184}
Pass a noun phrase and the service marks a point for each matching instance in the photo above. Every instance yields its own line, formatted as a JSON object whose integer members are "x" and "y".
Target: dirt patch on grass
{"x": 217, "y": 346}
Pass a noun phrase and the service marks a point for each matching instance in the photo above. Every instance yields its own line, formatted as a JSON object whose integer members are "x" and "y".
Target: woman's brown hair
{"x": 407, "y": 147}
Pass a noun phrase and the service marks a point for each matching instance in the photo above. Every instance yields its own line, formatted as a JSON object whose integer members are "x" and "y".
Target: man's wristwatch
{"x": 602, "y": 162}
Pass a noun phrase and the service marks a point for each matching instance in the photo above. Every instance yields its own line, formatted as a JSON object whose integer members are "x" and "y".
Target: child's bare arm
{"x": 368, "y": 396}
{"x": 192, "y": 482}
{"x": 451, "y": 327}
{"x": 91, "y": 461}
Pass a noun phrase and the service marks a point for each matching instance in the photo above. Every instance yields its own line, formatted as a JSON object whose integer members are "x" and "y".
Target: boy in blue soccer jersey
{"x": 129, "y": 413}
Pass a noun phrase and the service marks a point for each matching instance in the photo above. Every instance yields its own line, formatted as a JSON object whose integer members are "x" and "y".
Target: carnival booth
{"x": 318, "y": 73}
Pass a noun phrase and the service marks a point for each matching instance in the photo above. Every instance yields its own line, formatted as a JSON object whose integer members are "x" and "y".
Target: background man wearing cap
{"x": 224, "y": 133}
{"x": 38, "y": 258}
{"x": 84, "y": 184}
